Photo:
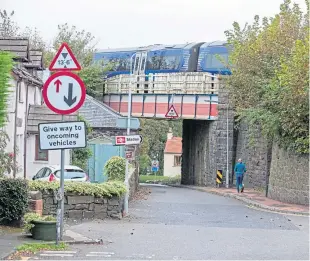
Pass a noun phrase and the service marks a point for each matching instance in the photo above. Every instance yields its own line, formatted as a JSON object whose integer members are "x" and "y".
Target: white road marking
{"x": 100, "y": 254}
{"x": 56, "y": 254}
{"x": 104, "y": 253}
{"x": 59, "y": 252}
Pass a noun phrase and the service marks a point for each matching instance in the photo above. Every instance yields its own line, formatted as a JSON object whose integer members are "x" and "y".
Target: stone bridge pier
{"x": 205, "y": 146}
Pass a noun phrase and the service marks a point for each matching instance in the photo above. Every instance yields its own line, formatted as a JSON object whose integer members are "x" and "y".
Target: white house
{"x": 26, "y": 110}
{"x": 172, "y": 155}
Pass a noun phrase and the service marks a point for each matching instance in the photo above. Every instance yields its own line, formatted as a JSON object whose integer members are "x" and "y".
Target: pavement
{"x": 255, "y": 198}
{"x": 168, "y": 223}
{"x": 9, "y": 239}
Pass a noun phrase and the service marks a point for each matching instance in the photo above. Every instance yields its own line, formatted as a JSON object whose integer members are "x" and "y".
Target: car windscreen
{"x": 71, "y": 174}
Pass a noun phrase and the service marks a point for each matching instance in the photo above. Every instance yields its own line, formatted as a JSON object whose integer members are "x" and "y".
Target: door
{"x": 139, "y": 63}
{"x": 101, "y": 154}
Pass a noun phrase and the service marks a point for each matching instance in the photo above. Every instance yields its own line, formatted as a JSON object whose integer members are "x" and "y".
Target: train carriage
{"x": 190, "y": 57}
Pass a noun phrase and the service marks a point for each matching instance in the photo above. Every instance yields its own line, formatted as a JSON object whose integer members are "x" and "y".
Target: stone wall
{"x": 289, "y": 177}
{"x": 204, "y": 146}
{"x": 224, "y": 124}
{"x": 134, "y": 180}
{"x": 195, "y": 146}
{"x": 255, "y": 154}
{"x": 84, "y": 207}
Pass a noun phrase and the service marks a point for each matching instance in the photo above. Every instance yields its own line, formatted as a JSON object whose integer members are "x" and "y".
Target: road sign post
{"x": 126, "y": 199}
{"x": 63, "y": 93}
{"x": 155, "y": 166}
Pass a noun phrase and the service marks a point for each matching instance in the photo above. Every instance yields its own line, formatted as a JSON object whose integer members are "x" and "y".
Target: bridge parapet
{"x": 164, "y": 83}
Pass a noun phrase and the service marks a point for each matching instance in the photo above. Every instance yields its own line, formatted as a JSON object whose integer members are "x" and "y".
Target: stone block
{"x": 69, "y": 207}
{"x": 80, "y": 199}
{"x": 77, "y": 214}
{"x": 116, "y": 216}
{"x": 113, "y": 201}
{"x": 91, "y": 206}
{"x": 47, "y": 195}
{"x": 35, "y": 195}
{"x": 88, "y": 214}
{"x": 101, "y": 200}
{"x": 81, "y": 206}
{"x": 49, "y": 201}
{"x": 100, "y": 208}
{"x": 100, "y": 215}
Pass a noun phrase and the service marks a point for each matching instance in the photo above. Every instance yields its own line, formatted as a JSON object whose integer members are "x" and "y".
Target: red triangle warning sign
{"x": 64, "y": 60}
{"x": 171, "y": 113}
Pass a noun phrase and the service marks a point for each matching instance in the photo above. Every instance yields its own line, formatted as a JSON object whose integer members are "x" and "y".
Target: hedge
{"x": 13, "y": 200}
{"x": 107, "y": 189}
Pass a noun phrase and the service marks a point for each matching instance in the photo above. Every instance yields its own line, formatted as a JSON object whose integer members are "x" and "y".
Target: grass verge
{"x": 29, "y": 249}
{"x": 152, "y": 179}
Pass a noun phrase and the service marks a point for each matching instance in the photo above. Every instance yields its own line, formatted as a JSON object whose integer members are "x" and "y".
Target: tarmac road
{"x": 178, "y": 223}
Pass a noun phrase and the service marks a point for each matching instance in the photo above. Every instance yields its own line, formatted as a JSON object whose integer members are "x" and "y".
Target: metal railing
{"x": 166, "y": 83}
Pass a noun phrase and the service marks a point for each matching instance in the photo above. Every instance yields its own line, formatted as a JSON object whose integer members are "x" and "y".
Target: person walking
{"x": 239, "y": 171}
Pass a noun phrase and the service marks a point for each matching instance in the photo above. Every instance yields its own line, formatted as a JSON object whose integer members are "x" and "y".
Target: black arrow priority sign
{"x": 70, "y": 100}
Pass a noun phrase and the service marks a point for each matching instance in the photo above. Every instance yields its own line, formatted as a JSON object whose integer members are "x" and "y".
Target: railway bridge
{"x": 200, "y": 100}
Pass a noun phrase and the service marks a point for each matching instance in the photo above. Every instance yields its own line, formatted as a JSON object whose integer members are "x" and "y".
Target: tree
{"x": 83, "y": 47}
{"x": 269, "y": 84}
{"x": 6, "y": 159}
{"x": 36, "y": 41}
{"x": 154, "y": 134}
{"x": 8, "y": 28}
{"x": 6, "y": 63}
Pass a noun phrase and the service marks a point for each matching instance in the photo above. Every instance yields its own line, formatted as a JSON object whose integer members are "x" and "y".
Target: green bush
{"x": 13, "y": 200}
{"x": 107, "y": 189}
{"x": 115, "y": 168}
{"x": 29, "y": 217}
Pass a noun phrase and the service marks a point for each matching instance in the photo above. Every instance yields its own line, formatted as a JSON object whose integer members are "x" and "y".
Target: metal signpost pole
{"x": 63, "y": 62}
{"x": 62, "y": 188}
{"x": 127, "y": 160}
{"x": 227, "y": 150}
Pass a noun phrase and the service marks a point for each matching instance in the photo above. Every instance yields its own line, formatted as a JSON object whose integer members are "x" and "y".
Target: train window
{"x": 213, "y": 61}
{"x": 168, "y": 62}
{"x": 117, "y": 63}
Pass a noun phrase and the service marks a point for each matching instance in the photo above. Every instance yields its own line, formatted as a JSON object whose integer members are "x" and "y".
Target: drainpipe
{"x": 15, "y": 126}
{"x": 25, "y": 133}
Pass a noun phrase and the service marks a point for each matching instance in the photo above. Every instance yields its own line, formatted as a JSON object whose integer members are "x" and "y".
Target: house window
{"x": 177, "y": 160}
{"x": 41, "y": 155}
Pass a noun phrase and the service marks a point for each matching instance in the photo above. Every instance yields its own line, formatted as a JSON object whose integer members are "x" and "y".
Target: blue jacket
{"x": 240, "y": 169}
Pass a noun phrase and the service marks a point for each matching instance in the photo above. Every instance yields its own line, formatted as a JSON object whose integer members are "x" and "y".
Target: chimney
{"x": 169, "y": 134}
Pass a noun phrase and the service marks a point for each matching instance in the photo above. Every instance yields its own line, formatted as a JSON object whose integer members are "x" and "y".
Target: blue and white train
{"x": 191, "y": 57}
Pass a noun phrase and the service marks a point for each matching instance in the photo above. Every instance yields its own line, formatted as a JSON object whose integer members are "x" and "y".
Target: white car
{"x": 52, "y": 173}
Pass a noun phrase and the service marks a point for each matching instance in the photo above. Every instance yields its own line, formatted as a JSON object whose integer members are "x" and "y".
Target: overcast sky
{"x": 127, "y": 23}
